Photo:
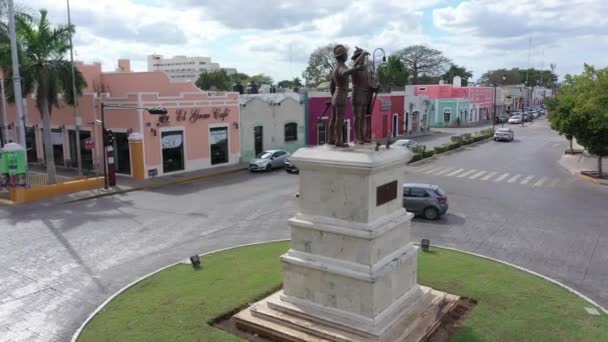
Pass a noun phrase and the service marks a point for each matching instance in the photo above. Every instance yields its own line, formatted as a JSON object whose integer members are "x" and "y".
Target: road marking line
{"x": 478, "y": 174}
{"x": 554, "y": 183}
{"x": 433, "y": 170}
{"x": 454, "y": 173}
{"x": 514, "y": 179}
{"x": 502, "y": 177}
{"x": 540, "y": 182}
{"x": 526, "y": 180}
{"x": 489, "y": 175}
{"x": 467, "y": 173}
{"x": 446, "y": 170}
{"x": 425, "y": 168}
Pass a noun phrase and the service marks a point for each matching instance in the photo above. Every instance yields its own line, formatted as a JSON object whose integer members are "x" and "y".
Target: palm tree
{"x": 44, "y": 71}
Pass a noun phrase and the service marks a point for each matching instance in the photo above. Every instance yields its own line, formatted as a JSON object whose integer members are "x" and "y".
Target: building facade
{"x": 449, "y": 105}
{"x": 318, "y": 119}
{"x": 184, "y": 69}
{"x": 271, "y": 121}
{"x": 200, "y": 130}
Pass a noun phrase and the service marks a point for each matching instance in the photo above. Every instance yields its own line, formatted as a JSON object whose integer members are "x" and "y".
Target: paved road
{"x": 60, "y": 262}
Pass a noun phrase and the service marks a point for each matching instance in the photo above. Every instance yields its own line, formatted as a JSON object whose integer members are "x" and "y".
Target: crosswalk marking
{"x": 426, "y": 168}
{"x": 553, "y": 182}
{"x": 526, "y": 180}
{"x": 514, "y": 179}
{"x": 489, "y": 175}
{"x": 433, "y": 170}
{"x": 462, "y": 175}
{"x": 540, "y": 182}
{"x": 454, "y": 172}
{"x": 446, "y": 170}
{"x": 478, "y": 174}
{"x": 503, "y": 176}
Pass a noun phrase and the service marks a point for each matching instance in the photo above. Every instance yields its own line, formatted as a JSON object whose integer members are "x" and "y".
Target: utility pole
{"x": 77, "y": 119}
{"x": 16, "y": 77}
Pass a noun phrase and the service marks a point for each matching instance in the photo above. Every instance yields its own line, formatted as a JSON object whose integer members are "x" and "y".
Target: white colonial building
{"x": 184, "y": 69}
{"x": 271, "y": 121}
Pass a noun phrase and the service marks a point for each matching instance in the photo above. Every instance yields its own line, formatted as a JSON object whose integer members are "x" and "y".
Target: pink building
{"x": 318, "y": 123}
{"x": 200, "y": 130}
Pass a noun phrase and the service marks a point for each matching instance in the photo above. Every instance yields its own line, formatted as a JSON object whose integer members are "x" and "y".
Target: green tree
{"x": 420, "y": 60}
{"x": 454, "y": 71}
{"x": 320, "y": 64}
{"x": 581, "y": 110}
{"x": 534, "y": 78}
{"x": 41, "y": 48}
{"x": 492, "y": 77}
{"x": 393, "y": 74}
{"x": 290, "y": 84}
{"x": 261, "y": 79}
{"x": 217, "y": 80}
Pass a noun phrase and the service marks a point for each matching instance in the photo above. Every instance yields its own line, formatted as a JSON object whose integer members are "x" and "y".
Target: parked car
{"x": 407, "y": 143}
{"x": 527, "y": 117}
{"x": 268, "y": 160}
{"x": 505, "y": 134}
{"x": 426, "y": 200}
{"x": 290, "y": 168}
{"x": 515, "y": 119}
{"x": 503, "y": 118}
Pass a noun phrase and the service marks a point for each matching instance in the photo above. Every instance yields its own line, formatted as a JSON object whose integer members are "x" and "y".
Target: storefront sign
{"x": 89, "y": 143}
{"x": 194, "y": 115}
{"x": 386, "y": 105}
{"x": 152, "y": 172}
{"x": 172, "y": 141}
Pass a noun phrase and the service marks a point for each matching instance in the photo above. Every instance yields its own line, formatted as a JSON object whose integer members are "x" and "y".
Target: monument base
{"x": 419, "y": 314}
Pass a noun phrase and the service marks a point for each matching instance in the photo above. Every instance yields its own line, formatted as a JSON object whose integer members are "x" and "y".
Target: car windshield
{"x": 503, "y": 130}
{"x": 264, "y": 155}
{"x": 516, "y": 117}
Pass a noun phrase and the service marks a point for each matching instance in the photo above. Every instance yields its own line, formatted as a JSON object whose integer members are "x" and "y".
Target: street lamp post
{"x": 16, "y": 77}
{"x": 153, "y": 111}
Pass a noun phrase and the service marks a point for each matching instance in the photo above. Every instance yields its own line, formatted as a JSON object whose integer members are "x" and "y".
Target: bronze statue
{"x": 339, "y": 91}
{"x": 361, "y": 97}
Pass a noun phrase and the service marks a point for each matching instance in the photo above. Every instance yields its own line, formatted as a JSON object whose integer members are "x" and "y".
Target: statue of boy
{"x": 339, "y": 91}
{"x": 361, "y": 96}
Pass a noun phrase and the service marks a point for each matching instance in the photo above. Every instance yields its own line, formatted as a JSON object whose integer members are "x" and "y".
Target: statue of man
{"x": 339, "y": 91}
{"x": 361, "y": 96}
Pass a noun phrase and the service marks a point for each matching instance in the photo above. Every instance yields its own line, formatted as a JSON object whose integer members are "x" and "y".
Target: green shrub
{"x": 416, "y": 157}
{"x": 456, "y": 138}
{"x": 466, "y": 136}
{"x": 419, "y": 149}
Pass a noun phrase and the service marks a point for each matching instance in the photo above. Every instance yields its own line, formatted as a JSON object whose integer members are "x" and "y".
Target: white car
{"x": 506, "y": 134}
{"x": 407, "y": 143}
{"x": 516, "y": 119}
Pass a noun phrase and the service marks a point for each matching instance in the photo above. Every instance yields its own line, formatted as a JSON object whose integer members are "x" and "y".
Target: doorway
{"x": 172, "y": 143}
{"x": 395, "y": 124}
{"x": 86, "y": 155}
{"x": 121, "y": 152}
{"x": 406, "y": 124}
{"x": 218, "y": 140}
{"x": 321, "y": 132}
{"x": 30, "y": 142}
{"x": 258, "y": 139}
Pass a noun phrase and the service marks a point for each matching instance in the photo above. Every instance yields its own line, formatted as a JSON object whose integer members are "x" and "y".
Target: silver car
{"x": 426, "y": 200}
{"x": 505, "y": 134}
{"x": 268, "y": 160}
{"x": 407, "y": 143}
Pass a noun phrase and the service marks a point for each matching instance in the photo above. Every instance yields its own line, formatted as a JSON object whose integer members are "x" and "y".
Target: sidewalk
{"x": 127, "y": 184}
{"x": 442, "y": 135}
{"x": 575, "y": 163}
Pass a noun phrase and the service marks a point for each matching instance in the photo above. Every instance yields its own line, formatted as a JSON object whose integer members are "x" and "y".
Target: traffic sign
{"x": 89, "y": 143}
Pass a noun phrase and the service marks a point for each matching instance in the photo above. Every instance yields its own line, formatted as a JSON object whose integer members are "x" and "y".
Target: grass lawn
{"x": 176, "y": 304}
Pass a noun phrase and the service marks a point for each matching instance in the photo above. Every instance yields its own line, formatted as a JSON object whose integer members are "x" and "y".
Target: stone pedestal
{"x": 351, "y": 271}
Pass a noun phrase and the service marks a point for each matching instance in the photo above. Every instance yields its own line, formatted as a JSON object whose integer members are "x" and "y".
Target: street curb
{"x": 449, "y": 152}
{"x": 107, "y": 301}
{"x": 581, "y": 176}
{"x": 556, "y": 282}
{"x": 156, "y": 186}
{"x": 135, "y": 282}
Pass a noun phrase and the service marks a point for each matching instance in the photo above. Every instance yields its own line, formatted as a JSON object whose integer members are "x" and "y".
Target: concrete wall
{"x": 272, "y": 112}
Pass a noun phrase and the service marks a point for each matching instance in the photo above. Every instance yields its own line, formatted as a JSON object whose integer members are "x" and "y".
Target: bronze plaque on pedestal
{"x": 386, "y": 193}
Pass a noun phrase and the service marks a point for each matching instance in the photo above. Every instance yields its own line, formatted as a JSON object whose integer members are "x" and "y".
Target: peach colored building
{"x": 200, "y": 130}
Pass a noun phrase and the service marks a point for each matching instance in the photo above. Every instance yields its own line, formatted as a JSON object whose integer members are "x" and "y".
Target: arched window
{"x": 291, "y": 131}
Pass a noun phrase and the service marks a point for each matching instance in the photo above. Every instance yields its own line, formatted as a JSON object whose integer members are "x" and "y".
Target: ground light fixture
{"x": 425, "y": 244}
{"x": 196, "y": 261}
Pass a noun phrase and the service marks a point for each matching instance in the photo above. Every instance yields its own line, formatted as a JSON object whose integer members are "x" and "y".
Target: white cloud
{"x": 276, "y": 36}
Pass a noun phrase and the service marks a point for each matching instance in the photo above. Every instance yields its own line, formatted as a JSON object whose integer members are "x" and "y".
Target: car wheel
{"x": 268, "y": 167}
{"x": 431, "y": 213}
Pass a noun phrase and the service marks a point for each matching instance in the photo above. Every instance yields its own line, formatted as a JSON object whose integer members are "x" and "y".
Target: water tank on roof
{"x": 252, "y": 88}
{"x": 238, "y": 87}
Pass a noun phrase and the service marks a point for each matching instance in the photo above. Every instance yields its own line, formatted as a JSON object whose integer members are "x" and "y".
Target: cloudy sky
{"x": 275, "y": 37}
